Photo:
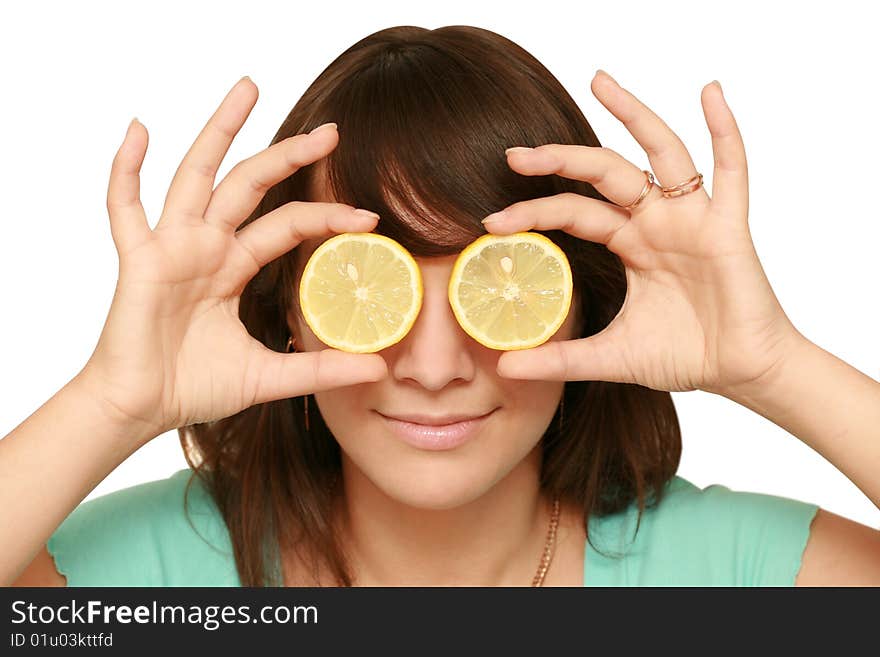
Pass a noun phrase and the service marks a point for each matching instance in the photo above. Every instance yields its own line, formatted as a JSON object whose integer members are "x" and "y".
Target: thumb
{"x": 281, "y": 376}
{"x": 596, "y": 358}
{"x": 128, "y": 222}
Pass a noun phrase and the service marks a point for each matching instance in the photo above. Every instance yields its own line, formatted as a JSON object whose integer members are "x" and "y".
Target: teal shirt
{"x": 140, "y": 536}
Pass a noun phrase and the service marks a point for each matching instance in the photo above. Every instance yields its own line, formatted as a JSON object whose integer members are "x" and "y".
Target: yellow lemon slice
{"x": 360, "y": 292}
{"x": 511, "y": 291}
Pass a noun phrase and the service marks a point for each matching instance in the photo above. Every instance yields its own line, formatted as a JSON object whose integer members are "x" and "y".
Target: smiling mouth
{"x": 436, "y": 421}
{"x": 436, "y": 437}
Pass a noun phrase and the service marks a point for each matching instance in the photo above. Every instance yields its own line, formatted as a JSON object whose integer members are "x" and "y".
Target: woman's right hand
{"x": 173, "y": 351}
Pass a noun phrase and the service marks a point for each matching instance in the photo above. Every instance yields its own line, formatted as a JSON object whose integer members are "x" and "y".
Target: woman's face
{"x": 436, "y": 370}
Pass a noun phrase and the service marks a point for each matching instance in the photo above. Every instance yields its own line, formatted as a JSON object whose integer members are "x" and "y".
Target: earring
{"x": 291, "y": 346}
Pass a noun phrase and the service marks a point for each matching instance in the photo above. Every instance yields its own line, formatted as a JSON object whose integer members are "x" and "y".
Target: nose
{"x": 436, "y": 351}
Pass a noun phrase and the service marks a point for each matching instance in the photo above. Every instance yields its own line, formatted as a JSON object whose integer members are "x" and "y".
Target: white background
{"x": 800, "y": 78}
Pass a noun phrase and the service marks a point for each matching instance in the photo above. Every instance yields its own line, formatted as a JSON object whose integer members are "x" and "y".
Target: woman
{"x": 569, "y": 476}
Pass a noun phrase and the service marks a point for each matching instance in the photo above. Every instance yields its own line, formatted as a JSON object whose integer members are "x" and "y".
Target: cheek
{"x": 571, "y": 327}
{"x": 533, "y": 403}
{"x": 306, "y": 340}
{"x": 535, "y": 397}
{"x": 309, "y": 340}
{"x": 344, "y": 410}
{"x": 347, "y": 415}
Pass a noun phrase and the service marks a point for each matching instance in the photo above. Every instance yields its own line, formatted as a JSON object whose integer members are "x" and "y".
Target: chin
{"x": 430, "y": 500}
{"x": 435, "y": 487}
{"x": 428, "y": 479}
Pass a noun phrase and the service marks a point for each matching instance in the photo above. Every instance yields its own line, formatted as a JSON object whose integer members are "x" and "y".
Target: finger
{"x": 730, "y": 179}
{"x": 128, "y": 221}
{"x": 596, "y": 358}
{"x": 282, "y": 376}
{"x": 670, "y": 160}
{"x": 615, "y": 177}
{"x": 581, "y": 216}
{"x": 191, "y": 187}
{"x": 241, "y": 190}
{"x": 283, "y": 228}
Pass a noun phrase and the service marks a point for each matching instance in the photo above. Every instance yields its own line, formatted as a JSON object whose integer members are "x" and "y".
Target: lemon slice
{"x": 360, "y": 292}
{"x": 511, "y": 291}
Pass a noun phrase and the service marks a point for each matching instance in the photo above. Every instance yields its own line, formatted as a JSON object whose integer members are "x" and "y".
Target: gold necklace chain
{"x": 549, "y": 546}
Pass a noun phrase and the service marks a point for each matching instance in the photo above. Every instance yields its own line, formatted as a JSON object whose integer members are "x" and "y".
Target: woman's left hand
{"x": 699, "y": 311}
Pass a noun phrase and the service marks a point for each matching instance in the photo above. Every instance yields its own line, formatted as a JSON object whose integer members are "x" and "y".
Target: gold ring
{"x": 647, "y": 188}
{"x": 686, "y": 187}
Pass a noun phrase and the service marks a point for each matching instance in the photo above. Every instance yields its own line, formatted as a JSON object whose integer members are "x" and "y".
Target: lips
{"x": 444, "y": 435}
{"x": 434, "y": 420}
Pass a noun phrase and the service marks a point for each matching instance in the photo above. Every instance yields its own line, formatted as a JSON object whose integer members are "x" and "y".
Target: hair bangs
{"x": 422, "y": 138}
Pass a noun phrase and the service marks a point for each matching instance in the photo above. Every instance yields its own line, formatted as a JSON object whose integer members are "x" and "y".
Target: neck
{"x": 494, "y": 540}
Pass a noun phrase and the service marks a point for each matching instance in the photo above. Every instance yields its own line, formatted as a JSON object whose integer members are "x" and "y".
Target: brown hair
{"x": 424, "y": 118}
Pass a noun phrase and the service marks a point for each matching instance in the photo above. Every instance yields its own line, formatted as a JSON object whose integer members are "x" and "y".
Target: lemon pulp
{"x": 511, "y": 291}
{"x": 360, "y": 292}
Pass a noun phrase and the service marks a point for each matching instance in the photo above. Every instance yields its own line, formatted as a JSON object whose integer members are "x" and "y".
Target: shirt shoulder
{"x": 693, "y": 536}
{"x": 143, "y": 536}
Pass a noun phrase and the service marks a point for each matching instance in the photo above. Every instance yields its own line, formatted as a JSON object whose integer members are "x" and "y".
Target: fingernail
{"x": 606, "y": 74}
{"x": 366, "y": 213}
{"x": 716, "y": 82}
{"x": 495, "y": 216}
{"x": 513, "y": 149}
{"x": 128, "y": 129}
{"x": 323, "y": 126}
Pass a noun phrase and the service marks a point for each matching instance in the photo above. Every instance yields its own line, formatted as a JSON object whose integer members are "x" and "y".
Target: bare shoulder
{"x": 840, "y": 552}
{"x": 41, "y": 572}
